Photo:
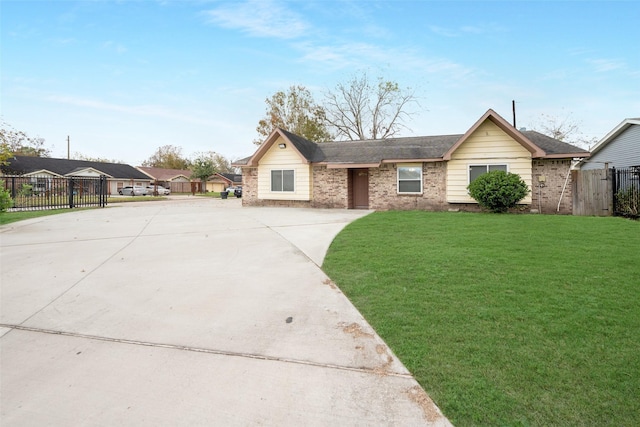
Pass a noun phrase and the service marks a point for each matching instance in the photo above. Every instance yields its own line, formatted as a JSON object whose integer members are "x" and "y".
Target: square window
{"x": 410, "y": 179}
{"x": 476, "y": 170}
{"x": 282, "y": 180}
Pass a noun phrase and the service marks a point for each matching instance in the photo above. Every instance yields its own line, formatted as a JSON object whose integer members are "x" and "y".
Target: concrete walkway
{"x": 189, "y": 312}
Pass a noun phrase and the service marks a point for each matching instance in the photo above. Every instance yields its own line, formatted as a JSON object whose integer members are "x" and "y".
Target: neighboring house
{"x": 40, "y": 168}
{"x": 176, "y": 180}
{"x": 179, "y": 181}
{"x": 218, "y": 182}
{"x": 620, "y": 148}
{"x": 428, "y": 172}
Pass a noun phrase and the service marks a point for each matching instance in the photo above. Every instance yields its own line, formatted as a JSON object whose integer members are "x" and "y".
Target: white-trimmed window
{"x": 476, "y": 170}
{"x": 410, "y": 179}
{"x": 282, "y": 180}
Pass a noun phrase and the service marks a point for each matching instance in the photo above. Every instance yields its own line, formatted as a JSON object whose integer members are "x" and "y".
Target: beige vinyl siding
{"x": 488, "y": 145}
{"x": 277, "y": 158}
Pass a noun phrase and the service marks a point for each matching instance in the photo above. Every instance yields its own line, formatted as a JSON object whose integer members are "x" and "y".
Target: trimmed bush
{"x": 498, "y": 191}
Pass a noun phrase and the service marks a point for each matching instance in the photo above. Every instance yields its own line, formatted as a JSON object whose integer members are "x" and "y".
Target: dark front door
{"x": 360, "y": 188}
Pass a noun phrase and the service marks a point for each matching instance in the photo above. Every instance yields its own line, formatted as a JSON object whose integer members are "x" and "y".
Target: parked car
{"x": 136, "y": 190}
{"x": 160, "y": 189}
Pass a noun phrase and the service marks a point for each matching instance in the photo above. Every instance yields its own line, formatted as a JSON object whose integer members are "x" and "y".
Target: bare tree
{"x": 565, "y": 129}
{"x": 361, "y": 109}
{"x": 295, "y": 111}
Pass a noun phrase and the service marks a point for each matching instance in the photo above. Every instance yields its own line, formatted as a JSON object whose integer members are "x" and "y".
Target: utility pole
{"x": 68, "y": 148}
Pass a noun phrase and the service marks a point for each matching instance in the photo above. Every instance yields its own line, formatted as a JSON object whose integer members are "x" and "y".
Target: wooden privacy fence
{"x": 605, "y": 192}
{"x": 592, "y": 192}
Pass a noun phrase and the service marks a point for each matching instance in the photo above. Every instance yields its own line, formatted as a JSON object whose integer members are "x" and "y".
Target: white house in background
{"x": 620, "y": 148}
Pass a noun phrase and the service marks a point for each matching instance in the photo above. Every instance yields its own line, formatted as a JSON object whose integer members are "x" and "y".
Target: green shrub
{"x": 26, "y": 190}
{"x": 5, "y": 198}
{"x": 628, "y": 202}
{"x": 498, "y": 191}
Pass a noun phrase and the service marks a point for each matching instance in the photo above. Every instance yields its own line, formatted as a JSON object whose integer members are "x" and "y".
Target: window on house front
{"x": 282, "y": 180}
{"x": 476, "y": 170}
{"x": 410, "y": 179}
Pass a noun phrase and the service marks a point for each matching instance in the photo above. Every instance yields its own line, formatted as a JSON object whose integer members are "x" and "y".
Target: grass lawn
{"x": 504, "y": 319}
{"x": 9, "y": 217}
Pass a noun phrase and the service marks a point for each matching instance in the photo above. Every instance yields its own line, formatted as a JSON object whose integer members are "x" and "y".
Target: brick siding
{"x": 331, "y": 189}
{"x": 545, "y": 198}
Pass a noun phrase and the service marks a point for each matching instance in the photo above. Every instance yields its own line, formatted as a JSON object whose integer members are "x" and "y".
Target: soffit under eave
{"x": 348, "y": 165}
{"x": 430, "y": 160}
{"x": 565, "y": 156}
{"x": 505, "y": 127}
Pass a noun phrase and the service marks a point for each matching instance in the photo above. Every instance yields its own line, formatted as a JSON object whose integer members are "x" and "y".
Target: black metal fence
{"x": 46, "y": 192}
{"x": 626, "y": 192}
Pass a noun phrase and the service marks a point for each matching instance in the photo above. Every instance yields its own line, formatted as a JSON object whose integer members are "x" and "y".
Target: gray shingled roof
{"x": 419, "y": 147}
{"x": 374, "y": 151}
{"x": 550, "y": 145}
{"x": 26, "y": 164}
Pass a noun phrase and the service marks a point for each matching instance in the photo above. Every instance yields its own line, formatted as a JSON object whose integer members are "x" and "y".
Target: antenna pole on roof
{"x": 68, "y": 148}
{"x": 513, "y": 107}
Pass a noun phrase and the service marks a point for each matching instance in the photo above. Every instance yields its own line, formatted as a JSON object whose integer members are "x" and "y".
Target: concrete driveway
{"x": 190, "y": 312}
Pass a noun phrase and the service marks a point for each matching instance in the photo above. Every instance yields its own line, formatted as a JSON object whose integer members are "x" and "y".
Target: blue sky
{"x": 123, "y": 78}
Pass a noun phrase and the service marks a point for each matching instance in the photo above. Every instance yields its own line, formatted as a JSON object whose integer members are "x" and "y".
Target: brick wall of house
{"x": 250, "y": 193}
{"x": 545, "y": 199}
{"x": 330, "y": 188}
{"x": 249, "y": 186}
{"x": 383, "y": 193}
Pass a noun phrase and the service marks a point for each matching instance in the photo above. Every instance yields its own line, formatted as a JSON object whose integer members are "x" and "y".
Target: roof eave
{"x": 565, "y": 156}
{"x": 336, "y": 165}
{"x": 43, "y": 171}
{"x": 421, "y": 160}
{"x": 622, "y": 126}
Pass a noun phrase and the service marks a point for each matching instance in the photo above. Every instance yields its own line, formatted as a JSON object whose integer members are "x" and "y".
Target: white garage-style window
{"x": 476, "y": 170}
{"x": 282, "y": 180}
{"x": 410, "y": 179}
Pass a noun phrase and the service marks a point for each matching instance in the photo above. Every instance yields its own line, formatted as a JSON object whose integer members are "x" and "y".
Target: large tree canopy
{"x": 221, "y": 163}
{"x": 18, "y": 143}
{"x": 167, "y": 157}
{"x": 203, "y": 166}
{"x": 360, "y": 109}
{"x": 295, "y": 111}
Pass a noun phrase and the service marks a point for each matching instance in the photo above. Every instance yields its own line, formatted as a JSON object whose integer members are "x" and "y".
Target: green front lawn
{"x": 504, "y": 319}
{"x": 9, "y": 217}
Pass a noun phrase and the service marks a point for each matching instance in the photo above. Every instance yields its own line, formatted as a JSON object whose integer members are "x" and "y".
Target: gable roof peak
{"x": 505, "y": 126}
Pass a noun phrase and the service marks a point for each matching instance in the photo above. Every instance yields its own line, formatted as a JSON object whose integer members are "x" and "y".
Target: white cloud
{"x": 363, "y": 55}
{"x": 467, "y": 29}
{"x": 139, "y": 110}
{"x": 604, "y": 65}
{"x": 446, "y": 32}
{"x": 260, "y": 18}
{"x": 113, "y": 46}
